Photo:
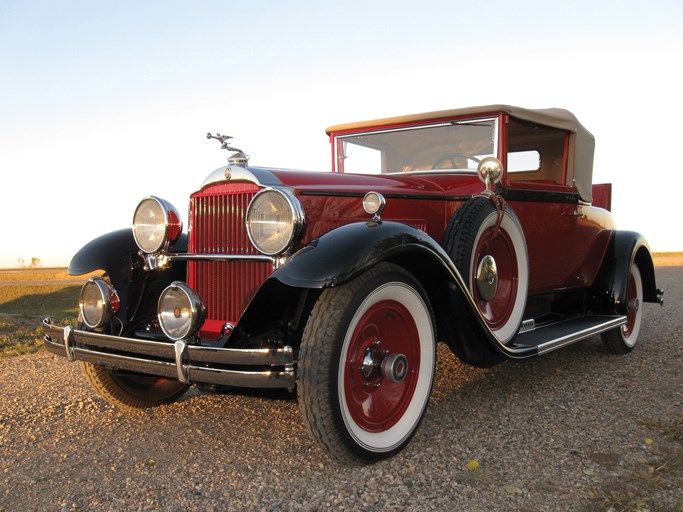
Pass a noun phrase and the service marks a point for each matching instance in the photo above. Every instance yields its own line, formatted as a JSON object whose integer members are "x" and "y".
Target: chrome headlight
{"x": 181, "y": 312}
{"x": 275, "y": 219}
{"x": 156, "y": 224}
{"x": 374, "y": 203}
{"x": 97, "y": 302}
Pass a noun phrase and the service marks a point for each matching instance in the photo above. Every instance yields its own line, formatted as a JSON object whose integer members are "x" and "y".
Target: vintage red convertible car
{"x": 477, "y": 227}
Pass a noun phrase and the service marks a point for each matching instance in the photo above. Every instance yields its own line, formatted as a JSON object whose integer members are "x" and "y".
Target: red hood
{"x": 432, "y": 184}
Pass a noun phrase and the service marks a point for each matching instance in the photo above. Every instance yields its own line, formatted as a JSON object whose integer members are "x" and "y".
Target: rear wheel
{"x": 132, "y": 391}
{"x": 366, "y": 365}
{"x": 622, "y": 339}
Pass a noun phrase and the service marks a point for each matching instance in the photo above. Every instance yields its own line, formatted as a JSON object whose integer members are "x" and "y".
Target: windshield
{"x": 455, "y": 145}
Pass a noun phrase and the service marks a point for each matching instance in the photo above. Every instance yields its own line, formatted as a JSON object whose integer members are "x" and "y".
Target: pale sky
{"x": 105, "y": 102}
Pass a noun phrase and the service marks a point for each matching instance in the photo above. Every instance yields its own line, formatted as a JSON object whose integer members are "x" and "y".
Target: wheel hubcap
{"x": 395, "y": 367}
{"x": 494, "y": 277}
{"x": 390, "y": 366}
{"x": 368, "y": 364}
{"x": 487, "y": 278}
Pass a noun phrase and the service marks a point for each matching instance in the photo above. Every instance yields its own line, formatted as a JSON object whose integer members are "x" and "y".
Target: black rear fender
{"x": 625, "y": 248}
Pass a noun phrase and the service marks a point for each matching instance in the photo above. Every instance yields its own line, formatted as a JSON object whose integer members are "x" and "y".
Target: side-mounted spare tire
{"x": 492, "y": 259}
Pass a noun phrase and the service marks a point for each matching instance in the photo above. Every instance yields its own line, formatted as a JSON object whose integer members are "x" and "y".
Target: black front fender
{"x": 116, "y": 253}
{"x": 343, "y": 253}
{"x": 111, "y": 252}
{"x": 346, "y": 252}
{"x": 337, "y": 257}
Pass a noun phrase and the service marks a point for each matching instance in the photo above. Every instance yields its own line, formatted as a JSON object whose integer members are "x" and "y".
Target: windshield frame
{"x": 339, "y": 140}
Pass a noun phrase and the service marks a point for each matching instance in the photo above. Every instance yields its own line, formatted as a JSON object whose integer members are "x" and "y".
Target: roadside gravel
{"x": 576, "y": 430}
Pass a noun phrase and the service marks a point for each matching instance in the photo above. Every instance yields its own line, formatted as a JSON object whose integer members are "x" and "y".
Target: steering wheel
{"x": 451, "y": 158}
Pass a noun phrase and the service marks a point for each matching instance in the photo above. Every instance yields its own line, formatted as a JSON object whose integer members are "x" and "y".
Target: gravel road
{"x": 578, "y": 429}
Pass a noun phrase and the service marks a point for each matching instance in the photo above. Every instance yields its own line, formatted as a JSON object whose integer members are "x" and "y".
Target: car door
{"x": 565, "y": 237}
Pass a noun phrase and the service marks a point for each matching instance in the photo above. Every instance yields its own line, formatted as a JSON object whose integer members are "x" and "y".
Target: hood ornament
{"x": 238, "y": 158}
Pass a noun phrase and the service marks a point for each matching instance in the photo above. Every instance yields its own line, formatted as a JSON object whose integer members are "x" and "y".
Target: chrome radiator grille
{"x": 217, "y": 227}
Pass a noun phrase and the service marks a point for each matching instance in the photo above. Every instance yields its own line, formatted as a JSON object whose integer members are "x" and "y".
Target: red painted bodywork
{"x": 566, "y": 240}
{"x": 565, "y": 248}
{"x": 602, "y": 196}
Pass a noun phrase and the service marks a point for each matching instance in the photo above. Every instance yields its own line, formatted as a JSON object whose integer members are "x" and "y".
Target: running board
{"x": 549, "y": 337}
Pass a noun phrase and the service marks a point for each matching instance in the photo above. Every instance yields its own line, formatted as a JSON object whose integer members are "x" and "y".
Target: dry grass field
{"x": 23, "y": 306}
{"x": 37, "y": 275}
{"x": 668, "y": 259}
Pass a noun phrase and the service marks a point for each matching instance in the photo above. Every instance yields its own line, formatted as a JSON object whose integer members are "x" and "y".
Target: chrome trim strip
{"x": 159, "y": 368}
{"x": 464, "y": 172}
{"x": 237, "y": 378}
{"x": 568, "y": 339}
{"x": 175, "y": 360}
{"x": 258, "y": 175}
{"x": 242, "y": 356}
{"x": 267, "y": 379}
{"x": 222, "y": 257}
{"x": 196, "y": 353}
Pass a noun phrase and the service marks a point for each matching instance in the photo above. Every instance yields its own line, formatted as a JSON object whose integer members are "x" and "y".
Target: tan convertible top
{"x": 582, "y": 142}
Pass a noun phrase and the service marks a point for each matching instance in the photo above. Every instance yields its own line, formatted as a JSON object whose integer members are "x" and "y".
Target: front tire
{"x": 366, "y": 365}
{"x": 623, "y": 339}
{"x": 132, "y": 391}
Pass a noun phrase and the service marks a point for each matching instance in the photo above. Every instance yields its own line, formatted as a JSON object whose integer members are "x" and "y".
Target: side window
{"x": 536, "y": 154}
{"x": 524, "y": 161}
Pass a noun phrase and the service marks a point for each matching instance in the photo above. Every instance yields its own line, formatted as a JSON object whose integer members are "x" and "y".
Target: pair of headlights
{"x": 274, "y": 220}
{"x": 180, "y": 310}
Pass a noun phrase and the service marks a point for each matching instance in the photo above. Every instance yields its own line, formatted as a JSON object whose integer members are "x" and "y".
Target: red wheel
{"x": 376, "y": 398}
{"x": 493, "y": 262}
{"x": 366, "y": 364}
{"x": 634, "y": 299}
{"x": 624, "y": 338}
{"x": 494, "y": 280}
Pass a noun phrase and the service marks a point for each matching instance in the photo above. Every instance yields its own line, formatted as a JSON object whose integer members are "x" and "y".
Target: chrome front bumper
{"x": 251, "y": 368}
